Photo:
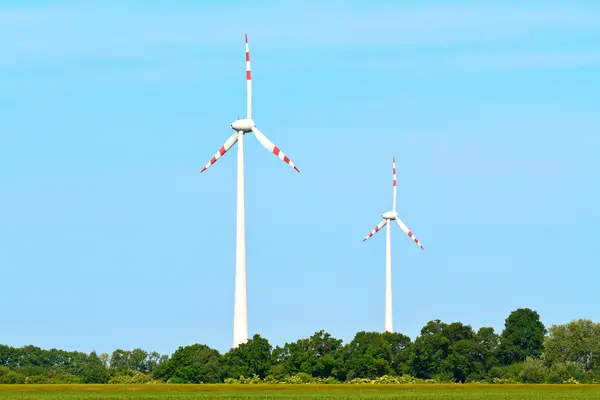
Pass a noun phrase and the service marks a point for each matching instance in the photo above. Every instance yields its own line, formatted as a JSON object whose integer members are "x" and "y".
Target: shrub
{"x": 131, "y": 377}
{"x": 37, "y": 379}
{"x": 65, "y": 378}
{"x": 562, "y": 372}
{"x": 533, "y": 371}
{"x": 12, "y": 377}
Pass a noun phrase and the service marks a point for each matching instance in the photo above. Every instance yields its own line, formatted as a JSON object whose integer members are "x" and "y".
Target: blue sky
{"x": 111, "y": 238}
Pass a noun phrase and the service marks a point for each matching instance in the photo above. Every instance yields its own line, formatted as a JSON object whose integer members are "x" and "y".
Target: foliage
{"x": 523, "y": 336}
{"x": 453, "y": 352}
{"x": 533, "y": 371}
{"x": 94, "y": 370}
{"x": 318, "y": 356}
{"x": 576, "y": 342}
{"x": 197, "y": 363}
{"x": 132, "y": 377}
{"x": 248, "y": 359}
{"x": 442, "y": 353}
{"x": 13, "y": 377}
{"x": 135, "y": 360}
{"x": 374, "y": 354}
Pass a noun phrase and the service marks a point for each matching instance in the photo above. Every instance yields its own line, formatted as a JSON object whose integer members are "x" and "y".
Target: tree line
{"x": 525, "y": 351}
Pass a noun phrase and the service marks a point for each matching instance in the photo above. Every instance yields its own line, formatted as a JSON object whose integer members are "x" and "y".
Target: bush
{"x": 391, "y": 380}
{"x": 12, "y": 377}
{"x": 65, "y": 378}
{"x": 250, "y": 381}
{"x": 32, "y": 370}
{"x": 37, "y": 379}
{"x": 533, "y": 371}
{"x": 131, "y": 377}
{"x": 563, "y": 372}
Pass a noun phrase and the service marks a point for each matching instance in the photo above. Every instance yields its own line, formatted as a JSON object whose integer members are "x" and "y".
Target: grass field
{"x": 421, "y": 392}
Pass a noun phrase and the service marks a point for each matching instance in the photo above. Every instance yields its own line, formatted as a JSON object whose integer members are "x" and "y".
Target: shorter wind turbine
{"x": 387, "y": 217}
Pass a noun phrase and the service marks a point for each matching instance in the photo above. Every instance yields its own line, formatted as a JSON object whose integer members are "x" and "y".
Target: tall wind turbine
{"x": 241, "y": 127}
{"x": 387, "y": 217}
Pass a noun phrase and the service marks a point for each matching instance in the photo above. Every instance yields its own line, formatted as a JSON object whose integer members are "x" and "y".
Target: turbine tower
{"x": 387, "y": 217}
{"x": 241, "y": 127}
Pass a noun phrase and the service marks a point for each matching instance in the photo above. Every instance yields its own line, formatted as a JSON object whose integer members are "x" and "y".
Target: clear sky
{"x": 111, "y": 238}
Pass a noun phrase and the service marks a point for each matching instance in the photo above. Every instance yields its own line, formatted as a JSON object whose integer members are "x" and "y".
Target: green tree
{"x": 462, "y": 363}
{"x": 522, "y": 337}
{"x": 119, "y": 360}
{"x": 576, "y": 342}
{"x": 249, "y": 359}
{"x": 373, "y": 354}
{"x": 153, "y": 360}
{"x": 450, "y": 352}
{"x": 94, "y": 370}
{"x": 7, "y": 355}
{"x": 136, "y": 360}
{"x": 197, "y": 363}
{"x": 487, "y": 347}
{"x": 105, "y": 359}
{"x": 319, "y": 355}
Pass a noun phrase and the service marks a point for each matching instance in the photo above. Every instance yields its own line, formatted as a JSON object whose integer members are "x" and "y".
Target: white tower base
{"x": 388, "y": 279}
{"x": 240, "y": 311}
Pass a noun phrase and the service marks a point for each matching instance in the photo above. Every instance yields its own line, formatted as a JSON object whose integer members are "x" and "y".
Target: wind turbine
{"x": 387, "y": 217}
{"x": 241, "y": 127}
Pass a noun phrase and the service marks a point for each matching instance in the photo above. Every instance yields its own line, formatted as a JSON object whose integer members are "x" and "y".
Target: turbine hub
{"x": 245, "y": 125}
{"x": 389, "y": 215}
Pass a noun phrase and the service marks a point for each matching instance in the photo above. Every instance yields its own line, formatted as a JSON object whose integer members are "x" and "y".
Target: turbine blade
{"x": 408, "y": 232}
{"x": 230, "y": 142}
{"x": 267, "y": 144}
{"x": 377, "y": 229}
{"x": 248, "y": 82}
{"x": 394, "y": 172}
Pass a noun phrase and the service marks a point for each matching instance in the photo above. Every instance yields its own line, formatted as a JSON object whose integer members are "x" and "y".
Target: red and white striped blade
{"x": 377, "y": 229}
{"x": 230, "y": 142}
{"x": 248, "y": 82}
{"x": 409, "y": 233}
{"x": 394, "y": 183}
{"x": 267, "y": 144}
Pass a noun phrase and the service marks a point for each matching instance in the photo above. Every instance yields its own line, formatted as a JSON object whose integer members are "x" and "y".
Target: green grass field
{"x": 422, "y": 392}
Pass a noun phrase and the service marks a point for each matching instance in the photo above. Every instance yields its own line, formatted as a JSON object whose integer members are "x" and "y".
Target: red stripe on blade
{"x": 276, "y": 151}
{"x": 248, "y": 75}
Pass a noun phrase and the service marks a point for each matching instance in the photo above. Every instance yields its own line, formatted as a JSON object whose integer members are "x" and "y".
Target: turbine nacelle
{"x": 245, "y": 125}
{"x": 390, "y": 215}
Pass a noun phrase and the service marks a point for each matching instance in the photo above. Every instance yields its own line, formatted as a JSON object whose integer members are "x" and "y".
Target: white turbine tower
{"x": 241, "y": 127}
{"x": 387, "y": 217}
